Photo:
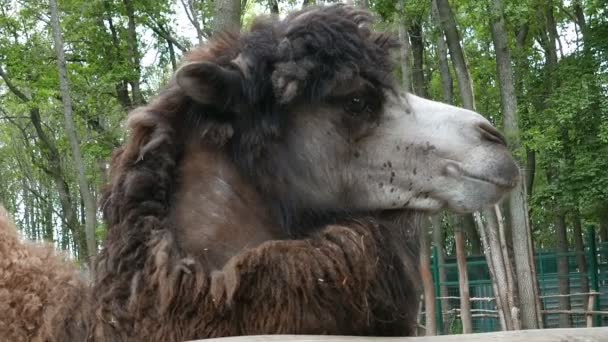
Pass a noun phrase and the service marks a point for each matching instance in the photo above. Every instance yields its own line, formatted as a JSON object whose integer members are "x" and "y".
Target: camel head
{"x": 310, "y": 111}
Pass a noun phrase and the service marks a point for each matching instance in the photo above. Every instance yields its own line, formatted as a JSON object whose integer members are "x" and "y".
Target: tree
{"x": 438, "y": 242}
{"x": 227, "y": 15}
{"x": 192, "y": 12}
{"x": 52, "y": 167}
{"x": 463, "y": 282}
{"x": 134, "y": 55}
{"x": 465, "y": 83}
{"x": 466, "y": 90}
{"x": 447, "y": 83}
{"x": 274, "y": 6}
{"x": 549, "y": 36}
{"x": 404, "y": 52}
{"x": 427, "y": 280}
{"x": 446, "y": 18}
{"x": 580, "y": 253}
{"x": 306, "y": 3}
{"x": 89, "y": 202}
{"x": 499, "y": 265}
{"x": 420, "y": 86}
{"x": 417, "y": 45}
{"x": 603, "y": 215}
{"x": 520, "y": 227}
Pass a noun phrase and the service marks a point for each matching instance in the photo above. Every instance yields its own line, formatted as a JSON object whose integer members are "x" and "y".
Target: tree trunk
{"x": 47, "y": 210}
{"x": 447, "y": 84}
{"x": 83, "y": 184}
{"x": 520, "y": 226}
{"x": 579, "y": 248}
{"x": 406, "y": 60}
{"x": 191, "y": 9}
{"x": 172, "y": 55}
{"x": 522, "y": 66}
{"x": 525, "y": 269}
{"x": 419, "y": 82}
{"x": 306, "y": 3}
{"x": 503, "y": 268}
{"x": 549, "y": 46}
{"x": 552, "y": 28}
{"x": 549, "y": 37}
{"x": 448, "y": 94}
{"x": 274, "y": 6}
{"x": 603, "y": 233}
{"x": 506, "y": 80}
{"x": 438, "y": 241}
{"x": 465, "y": 83}
{"x": 27, "y": 212}
{"x": 446, "y": 18}
{"x": 55, "y": 171}
{"x": 463, "y": 282}
{"x": 580, "y": 19}
{"x": 122, "y": 89}
{"x": 227, "y": 15}
{"x": 427, "y": 282}
{"x": 468, "y": 226}
{"x": 530, "y": 171}
{"x": 507, "y": 254}
{"x": 495, "y": 268}
{"x": 134, "y": 56}
{"x": 562, "y": 267}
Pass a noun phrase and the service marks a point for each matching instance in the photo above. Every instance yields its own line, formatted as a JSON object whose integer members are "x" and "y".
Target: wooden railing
{"x": 543, "y": 335}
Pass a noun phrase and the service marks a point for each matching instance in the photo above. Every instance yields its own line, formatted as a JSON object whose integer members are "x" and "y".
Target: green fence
{"x": 483, "y": 308}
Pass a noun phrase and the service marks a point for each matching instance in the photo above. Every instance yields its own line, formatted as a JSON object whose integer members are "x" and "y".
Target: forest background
{"x": 71, "y": 70}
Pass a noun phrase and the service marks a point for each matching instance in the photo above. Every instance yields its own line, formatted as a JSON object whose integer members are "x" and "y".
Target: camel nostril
{"x": 488, "y": 132}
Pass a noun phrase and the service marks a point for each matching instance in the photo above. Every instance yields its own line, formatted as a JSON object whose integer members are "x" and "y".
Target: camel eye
{"x": 357, "y": 105}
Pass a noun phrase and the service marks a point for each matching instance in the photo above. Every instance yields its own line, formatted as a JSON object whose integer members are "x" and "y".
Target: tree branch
{"x": 11, "y": 86}
{"x": 192, "y": 14}
{"x": 162, "y": 32}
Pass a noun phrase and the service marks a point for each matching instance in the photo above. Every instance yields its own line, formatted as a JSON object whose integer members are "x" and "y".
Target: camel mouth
{"x": 501, "y": 183}
{"x": 506, "y": 184}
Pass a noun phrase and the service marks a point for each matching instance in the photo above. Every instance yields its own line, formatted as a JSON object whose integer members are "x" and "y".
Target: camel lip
{"x": 456, "y": 170}
{"x": 493, "y": 181}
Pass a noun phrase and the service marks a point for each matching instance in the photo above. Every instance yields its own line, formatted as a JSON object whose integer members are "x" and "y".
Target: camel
{"x": 273, "y": 186}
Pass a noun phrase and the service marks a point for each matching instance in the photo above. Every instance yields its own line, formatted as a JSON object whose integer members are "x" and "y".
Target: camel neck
{"x": 216, "y": 213}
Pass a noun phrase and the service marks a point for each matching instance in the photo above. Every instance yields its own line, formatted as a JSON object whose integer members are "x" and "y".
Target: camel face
{"x": 380, "y": 151}
{"x": 454, "y": 158}
{"x": 315, "y": 118}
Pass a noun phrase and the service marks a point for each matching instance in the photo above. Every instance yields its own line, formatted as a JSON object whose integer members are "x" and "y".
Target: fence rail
{"x": 544, "y": 335}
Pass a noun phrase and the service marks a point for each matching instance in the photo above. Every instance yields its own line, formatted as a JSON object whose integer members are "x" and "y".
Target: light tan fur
{"x": 34, "y": 280}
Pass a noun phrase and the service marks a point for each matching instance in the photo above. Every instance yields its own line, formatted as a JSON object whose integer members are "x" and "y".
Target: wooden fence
{"x": 541, "y": 335}
{"x": 589, "y": 305}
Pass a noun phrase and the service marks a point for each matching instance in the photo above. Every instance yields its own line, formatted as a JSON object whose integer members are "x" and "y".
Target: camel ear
{"x": 209, "y": 83}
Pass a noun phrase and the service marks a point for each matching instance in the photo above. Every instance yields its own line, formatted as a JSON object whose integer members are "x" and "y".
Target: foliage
{"x": 563, "y": 113}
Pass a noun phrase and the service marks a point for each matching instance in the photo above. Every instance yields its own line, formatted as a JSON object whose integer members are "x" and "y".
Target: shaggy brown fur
{"x": 38, "y": 290}
{"x": 210, "y": 231}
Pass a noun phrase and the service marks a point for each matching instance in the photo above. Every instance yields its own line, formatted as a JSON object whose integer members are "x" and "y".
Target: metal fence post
{"x": 593, "y": 269}
{"x": 437, "y": 290}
